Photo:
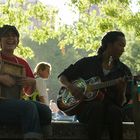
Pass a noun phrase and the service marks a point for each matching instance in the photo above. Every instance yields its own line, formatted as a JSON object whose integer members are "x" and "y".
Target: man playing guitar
{"x": 106, "y": 108}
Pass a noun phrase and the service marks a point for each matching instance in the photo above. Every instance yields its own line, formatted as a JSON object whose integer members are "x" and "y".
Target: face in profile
{"x": 117, "y": 47}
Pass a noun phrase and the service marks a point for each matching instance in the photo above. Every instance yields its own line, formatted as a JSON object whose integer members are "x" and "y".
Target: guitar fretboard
{"x": 103, "y": 84}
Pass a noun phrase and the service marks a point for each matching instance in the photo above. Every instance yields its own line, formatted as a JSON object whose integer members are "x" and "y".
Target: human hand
{"x": 76, "y": 92}
{"x": 7, "y": 80}
{"x": 121, "y": 90}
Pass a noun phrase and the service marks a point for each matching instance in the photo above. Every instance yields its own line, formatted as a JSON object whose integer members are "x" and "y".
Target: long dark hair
{"x": 110, "y": 37}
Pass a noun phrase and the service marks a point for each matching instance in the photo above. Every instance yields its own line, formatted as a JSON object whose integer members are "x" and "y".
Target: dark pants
{"x": 97, "y": 114}
{"x": 30, "y": 115}
{"x": 128, "y": 113}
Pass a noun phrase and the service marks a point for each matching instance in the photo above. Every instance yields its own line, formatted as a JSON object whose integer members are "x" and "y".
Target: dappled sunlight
{"x": 67, "y": 15}
{"x": 134, "y": 6}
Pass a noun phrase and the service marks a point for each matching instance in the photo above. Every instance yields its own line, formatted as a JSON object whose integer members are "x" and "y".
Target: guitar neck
{"x": 102, "y": 85}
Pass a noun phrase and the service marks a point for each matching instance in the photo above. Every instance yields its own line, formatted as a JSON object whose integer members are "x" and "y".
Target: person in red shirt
{"x": 33, "y": 116}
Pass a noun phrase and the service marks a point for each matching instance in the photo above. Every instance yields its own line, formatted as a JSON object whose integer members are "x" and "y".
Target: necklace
{"x": 110, "y": 61}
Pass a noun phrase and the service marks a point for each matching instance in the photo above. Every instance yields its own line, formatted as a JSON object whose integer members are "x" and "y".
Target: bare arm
{"x": 29, "y": 85}
{"x": 75, "y": 91}
{"x": 27, "y": 81}
{"x": 42, "y": 99}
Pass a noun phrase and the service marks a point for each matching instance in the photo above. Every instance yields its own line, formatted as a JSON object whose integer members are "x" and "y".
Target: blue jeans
{"x": 31, "y": 115}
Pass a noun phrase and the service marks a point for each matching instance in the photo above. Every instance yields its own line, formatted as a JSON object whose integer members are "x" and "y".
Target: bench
{"x": 68, "y": 130}
{"x": 77, "y": 131}
{"x": 65, "y": 130}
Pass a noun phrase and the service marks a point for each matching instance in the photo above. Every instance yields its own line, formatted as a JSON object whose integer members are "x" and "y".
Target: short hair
{"x": 42, "y": 66}
{"x": 110, "y": 37}
{"x": 8, "y": 28}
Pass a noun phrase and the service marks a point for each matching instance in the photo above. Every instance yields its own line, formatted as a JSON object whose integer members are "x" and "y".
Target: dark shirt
{"x": 89, "y": 67}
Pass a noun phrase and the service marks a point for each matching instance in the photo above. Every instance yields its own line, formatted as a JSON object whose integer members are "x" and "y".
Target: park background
{"x": 62, "y": 31}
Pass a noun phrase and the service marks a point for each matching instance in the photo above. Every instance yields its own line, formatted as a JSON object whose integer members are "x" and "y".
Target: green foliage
{"x": 132, "y": 57}
{"x": 95, "y": 18}
{"x": 24, "y": 15}
{"x": 25, "y": 52}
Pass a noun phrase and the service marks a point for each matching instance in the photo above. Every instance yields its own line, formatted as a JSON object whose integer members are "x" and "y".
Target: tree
{"x": 99, "y": 16}
{"x": 31, "y": 19}
{"x": 95, "y": 18}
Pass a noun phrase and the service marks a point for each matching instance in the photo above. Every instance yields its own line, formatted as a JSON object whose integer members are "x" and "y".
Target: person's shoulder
{"x": 89, "y": 58}
{"x": 124, "y": 66}
{"x": 22, "y": 60}
{"x": 39, "y": 80}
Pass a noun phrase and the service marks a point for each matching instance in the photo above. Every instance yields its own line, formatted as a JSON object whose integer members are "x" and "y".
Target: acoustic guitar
{"x": 90, "y": 89}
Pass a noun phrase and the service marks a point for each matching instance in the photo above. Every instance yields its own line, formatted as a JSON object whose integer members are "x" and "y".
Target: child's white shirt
{"x": 42, "y": 88}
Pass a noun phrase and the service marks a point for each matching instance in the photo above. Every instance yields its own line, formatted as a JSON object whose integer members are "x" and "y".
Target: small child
{"x": 42, "y": 72}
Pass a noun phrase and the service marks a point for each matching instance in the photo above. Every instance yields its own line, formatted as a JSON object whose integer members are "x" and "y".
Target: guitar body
{"x": 67, "y": 102}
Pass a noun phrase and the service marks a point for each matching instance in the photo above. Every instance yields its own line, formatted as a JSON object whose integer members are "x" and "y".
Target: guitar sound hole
{"x": 89, "y": 94}
{"x": 71, "y": 101}
{"x": 62, "y": 90}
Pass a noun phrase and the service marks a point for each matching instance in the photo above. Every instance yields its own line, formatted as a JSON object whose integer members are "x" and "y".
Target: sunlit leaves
{"x": 106, "y": 24}
{"x": 33, "y": 19}
{"x": 96, "y": 17}
{"x": 42, "y": 34}
{"x": 94, "y": 22}
{"x": 132, "y": 56}
{"x": 105, "y": 16}
{"x": 39, "y": 12}
{"x": 25, "y": 52}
